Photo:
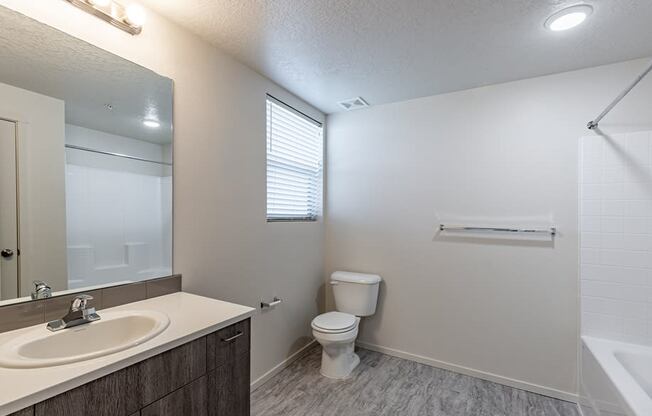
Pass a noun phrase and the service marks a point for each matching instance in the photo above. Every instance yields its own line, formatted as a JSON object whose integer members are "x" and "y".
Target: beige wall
{"x": 504, "y": 310}
{"x": 41, "y": 181}
{"x": 222, "y": 243}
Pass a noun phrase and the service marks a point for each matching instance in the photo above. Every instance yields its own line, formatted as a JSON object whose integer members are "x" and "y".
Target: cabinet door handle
{"x": 233, "y": 338}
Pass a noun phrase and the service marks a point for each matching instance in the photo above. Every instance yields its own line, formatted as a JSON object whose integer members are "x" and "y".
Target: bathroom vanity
{"x": 198, "y": 365}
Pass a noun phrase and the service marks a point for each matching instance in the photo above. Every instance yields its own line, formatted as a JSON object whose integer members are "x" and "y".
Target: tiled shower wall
{"x": 616, "y": 236}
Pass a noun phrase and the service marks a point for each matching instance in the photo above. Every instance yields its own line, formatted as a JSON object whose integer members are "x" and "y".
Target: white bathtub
{"x": 616, "y": 378}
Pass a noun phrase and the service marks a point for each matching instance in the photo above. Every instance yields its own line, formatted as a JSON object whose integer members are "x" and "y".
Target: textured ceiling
{"x": 391, "y": 50}
{"x": 38, "y": 58}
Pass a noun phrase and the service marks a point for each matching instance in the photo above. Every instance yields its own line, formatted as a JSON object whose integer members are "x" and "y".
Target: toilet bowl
{"x": 337, "y": 332}
{"x": 355, "y": 296}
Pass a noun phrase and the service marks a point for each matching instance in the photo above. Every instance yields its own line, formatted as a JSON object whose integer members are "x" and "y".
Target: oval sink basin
{"x": 116, "y": 331}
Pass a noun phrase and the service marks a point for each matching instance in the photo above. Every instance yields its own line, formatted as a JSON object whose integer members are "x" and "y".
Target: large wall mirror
{"x": 85, "y": 164}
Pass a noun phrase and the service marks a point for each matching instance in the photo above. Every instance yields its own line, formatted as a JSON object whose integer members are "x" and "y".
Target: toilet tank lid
{"x": 351, "y": 277}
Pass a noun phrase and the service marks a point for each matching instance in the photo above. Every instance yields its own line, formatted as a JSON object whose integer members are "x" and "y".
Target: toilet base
{"x": 338, "y": 361}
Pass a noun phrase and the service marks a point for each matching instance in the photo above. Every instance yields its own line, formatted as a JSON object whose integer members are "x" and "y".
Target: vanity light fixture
{"x": 151, "y": 123}
{"x": 100, "y": 3}
{"x": 568, "y": 17}
{"x": 130, "y": 18}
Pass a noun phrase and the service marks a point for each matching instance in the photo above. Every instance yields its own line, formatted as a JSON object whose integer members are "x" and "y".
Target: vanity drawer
{"x": 189, "y": 400}
{"x": 227, "y": 344}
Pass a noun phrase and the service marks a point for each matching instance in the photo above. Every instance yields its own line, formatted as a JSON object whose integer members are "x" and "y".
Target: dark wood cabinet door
{"x": 227, "y": 344}
{"x": 228, "y": 388}
{"x": 191, "y": 400}
{"x": 162, "y": 374}
{"x": 106, "y": 396}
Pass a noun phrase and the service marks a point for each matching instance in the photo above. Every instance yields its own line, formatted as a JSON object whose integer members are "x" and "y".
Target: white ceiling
{"x": 391, "y": 50}
{"x": 39, "y": 58}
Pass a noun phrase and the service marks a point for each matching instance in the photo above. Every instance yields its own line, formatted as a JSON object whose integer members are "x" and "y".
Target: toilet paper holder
{"x": 267, "y": 305}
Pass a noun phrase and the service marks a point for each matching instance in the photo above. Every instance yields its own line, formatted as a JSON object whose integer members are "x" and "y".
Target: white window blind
{"x": 294, "y": 164}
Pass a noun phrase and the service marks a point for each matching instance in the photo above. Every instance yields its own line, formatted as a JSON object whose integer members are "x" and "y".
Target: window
{"x": 294, "y": 164}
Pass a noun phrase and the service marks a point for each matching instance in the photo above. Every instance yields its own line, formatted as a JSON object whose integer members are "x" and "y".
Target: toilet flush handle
{"x": 334, "y": 282}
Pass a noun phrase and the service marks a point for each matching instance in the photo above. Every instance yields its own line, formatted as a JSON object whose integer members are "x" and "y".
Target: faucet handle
{"x": 78, "y": 314}
{"x": 41, "y": 290}
{"x": 80, "y": 302}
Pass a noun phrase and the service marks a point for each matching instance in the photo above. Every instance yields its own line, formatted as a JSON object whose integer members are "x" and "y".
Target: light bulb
{"x": 135, "y": 15}
{"x": 569, "y": 17}
{"x": 567, "y": 21}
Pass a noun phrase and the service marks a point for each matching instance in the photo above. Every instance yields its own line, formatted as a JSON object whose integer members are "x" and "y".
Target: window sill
{"x": 308, "y": 219}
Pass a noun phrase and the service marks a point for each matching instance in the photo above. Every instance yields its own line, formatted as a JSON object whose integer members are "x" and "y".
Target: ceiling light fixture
{"x": 130, "y": 19}
{"x": 153, "y": 124}
{"x": 568, "y": 17}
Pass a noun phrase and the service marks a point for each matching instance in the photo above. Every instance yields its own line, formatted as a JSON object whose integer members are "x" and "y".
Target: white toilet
{"x": 356, "y": 295}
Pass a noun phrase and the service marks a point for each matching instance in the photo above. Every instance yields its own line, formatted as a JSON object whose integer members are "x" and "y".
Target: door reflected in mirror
{"x": 85, "y": 162}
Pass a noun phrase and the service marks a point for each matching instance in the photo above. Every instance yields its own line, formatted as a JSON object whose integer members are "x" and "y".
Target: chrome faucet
{"x": 78, "y": 314}
{"x": 41, "y": 290}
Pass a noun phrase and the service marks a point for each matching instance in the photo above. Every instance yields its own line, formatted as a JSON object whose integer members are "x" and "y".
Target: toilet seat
{"x": 334, "y": 322}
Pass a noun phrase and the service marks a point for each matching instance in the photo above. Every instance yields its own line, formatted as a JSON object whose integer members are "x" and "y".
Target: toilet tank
{"x": 355, "y": 293}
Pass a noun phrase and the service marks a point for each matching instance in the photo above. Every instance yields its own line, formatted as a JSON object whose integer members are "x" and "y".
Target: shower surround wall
{"x": 119, "y": 218}
{"x": 616, "y": 236}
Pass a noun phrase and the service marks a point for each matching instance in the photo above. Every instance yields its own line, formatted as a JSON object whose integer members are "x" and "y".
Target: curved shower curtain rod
{"x": 593, "y": 124}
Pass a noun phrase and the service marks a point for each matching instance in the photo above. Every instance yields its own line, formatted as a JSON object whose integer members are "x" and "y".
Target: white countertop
{"x": 191, "y": 317}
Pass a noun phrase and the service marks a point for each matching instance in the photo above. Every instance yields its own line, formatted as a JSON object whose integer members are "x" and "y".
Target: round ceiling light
{"x": 569, "y": 17}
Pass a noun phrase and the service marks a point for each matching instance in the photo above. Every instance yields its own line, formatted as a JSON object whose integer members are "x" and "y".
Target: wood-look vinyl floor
{"x": 383, "y": 385}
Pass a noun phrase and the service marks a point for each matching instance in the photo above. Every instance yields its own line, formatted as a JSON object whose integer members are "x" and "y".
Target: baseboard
{"x": 523, "y": 385}
{"x": 282, "y": 365}
{"x": 599, "y": 407}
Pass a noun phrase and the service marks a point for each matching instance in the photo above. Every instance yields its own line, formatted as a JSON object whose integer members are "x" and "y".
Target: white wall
{"x": 616, "y": 236}
{"x": 222, "y": 243}
{"x": 41, "y": 183}
{"x": 506, "y": 310}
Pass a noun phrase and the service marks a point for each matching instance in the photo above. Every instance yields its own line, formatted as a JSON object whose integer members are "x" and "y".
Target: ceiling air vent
{"x": 353, "y": 103}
